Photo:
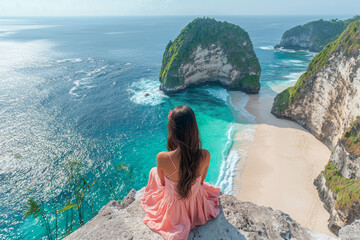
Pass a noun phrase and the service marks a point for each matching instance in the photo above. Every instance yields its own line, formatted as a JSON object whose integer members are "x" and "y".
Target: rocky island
{"x": 210, "y": 52}
{"x": 326, "y": 98}
{"x": 326, "y": 101}
{"x": 315, "y": 35}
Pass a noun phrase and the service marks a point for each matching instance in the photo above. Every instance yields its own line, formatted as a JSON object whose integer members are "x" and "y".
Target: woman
{"x": 176, "y": 198}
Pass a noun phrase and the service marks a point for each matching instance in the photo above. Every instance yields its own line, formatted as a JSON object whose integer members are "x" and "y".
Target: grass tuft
{"x": 351, "y": 137}
{"x": 348, "y": 190}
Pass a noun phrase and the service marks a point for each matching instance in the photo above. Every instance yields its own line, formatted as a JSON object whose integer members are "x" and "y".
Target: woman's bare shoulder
{"x": 162, "y": 158}
{"x": 162, "y": 154}
{"x": 205, "y": 154}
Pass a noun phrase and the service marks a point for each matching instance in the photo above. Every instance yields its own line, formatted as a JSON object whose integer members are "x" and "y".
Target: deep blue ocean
{"x": 76, "y": 88}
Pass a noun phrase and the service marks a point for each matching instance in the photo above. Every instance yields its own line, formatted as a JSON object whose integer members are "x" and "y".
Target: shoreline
{"x": 279, "y": 142}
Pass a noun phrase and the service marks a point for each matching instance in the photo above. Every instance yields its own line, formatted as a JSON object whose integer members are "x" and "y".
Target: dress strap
{"x": 173, "y": 165}
{"x": 172, "y": 162}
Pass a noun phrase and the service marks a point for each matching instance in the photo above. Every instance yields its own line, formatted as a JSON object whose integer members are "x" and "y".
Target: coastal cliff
{"x": 339, "y": 184}
{"x": 326, "y": 98}
{"x": 315, "y": 35}
{"x": 237, "y": 220}
{"x": 210, "y": 52}
{"x": 346, "y": 155}
{"x": 326, "y": 101}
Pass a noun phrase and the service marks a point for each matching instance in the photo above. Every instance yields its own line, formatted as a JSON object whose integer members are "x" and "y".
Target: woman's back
{"x": 176, "y": 198}
{"x": 171, "y": 180}
{"x": 169, "y": 164}
{"x": 173, "y": 216}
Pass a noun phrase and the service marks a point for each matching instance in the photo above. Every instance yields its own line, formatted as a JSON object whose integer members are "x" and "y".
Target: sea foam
{"x": 86, "y": 78}
{"x": 267, "y": 48}
{"x": 294, "y": 76}
{"x": 294, "y": 62}
{"x": 228, "y": 165}
{"x": 219, "y": 93}
{"x": 286, "y": 50}
{"x": 146, "y": 92}
{"x": 240, "y": 132}
{"x": 71, "y": 60}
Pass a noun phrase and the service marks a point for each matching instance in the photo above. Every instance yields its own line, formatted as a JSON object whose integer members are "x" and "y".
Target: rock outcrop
{"x": 326, "y": 98}
{"x": 346, "y": 155}
{"x": 315, "y": 35}
{"x": 339, "y": 184}
{"x": 350, "y": 232}
{"x": 210, "y": 52}
{"x": 340, "y": 215}
{"x": 237, "y": 220}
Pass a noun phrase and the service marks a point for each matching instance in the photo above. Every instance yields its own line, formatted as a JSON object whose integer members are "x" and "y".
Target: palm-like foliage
{"x": 33, "y": 208}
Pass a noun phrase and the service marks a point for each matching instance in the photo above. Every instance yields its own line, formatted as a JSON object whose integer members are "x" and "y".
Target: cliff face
{"x": 326, "y": 98}
{"x": 340, "y": 216}
{"x": 339, "y": 184}
{"x": 210, "y": 52}
{"x": 326, "y": 101}
{"x": 347, "y": 162}
{"x": 315, "y": 35}
{"x": 237, "y": 220}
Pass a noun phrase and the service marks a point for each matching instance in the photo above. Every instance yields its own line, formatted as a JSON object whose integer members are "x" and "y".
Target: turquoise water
{"x": 74, "y": 89}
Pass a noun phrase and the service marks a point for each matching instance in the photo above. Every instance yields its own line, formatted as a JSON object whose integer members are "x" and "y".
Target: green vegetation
{"x": 351, "y": 137}
{"x": 75, "y": 191}
{"x": 347, "y": 190}
{"x": 281, "y": 101}
{"x": 35, "y": 209}
{"x": 204, "y": 32}
{"x": 248, "y": 82}
{"x": 347, "y": 43}
{"x": 319, "y": 32}
{"x": 73, "y": 206}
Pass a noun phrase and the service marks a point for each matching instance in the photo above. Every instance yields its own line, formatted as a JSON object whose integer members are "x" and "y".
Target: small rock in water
{"x": 147, "y": 94}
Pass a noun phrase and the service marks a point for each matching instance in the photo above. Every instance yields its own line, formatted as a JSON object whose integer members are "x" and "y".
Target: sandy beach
{"x": 281, "y": 165}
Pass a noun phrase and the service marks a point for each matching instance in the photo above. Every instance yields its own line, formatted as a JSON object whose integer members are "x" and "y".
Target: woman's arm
{"x": 159, "y": 169}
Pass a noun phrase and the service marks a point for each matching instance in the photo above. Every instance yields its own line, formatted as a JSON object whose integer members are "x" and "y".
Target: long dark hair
{"x": 184, "y": 133}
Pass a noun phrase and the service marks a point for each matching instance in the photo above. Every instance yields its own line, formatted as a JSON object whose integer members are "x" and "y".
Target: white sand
{"x": 280, "y": 167}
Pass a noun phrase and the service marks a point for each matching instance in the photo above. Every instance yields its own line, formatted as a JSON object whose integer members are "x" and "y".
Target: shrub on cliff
{"x": 348, "y": 190}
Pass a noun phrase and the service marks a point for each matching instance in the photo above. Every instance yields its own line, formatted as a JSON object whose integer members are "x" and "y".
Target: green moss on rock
{"x": 347, "y": 190}
{"x": 205, "y": 32}
{"x": 351, "y": 137}
{"x": 347, "y": 43}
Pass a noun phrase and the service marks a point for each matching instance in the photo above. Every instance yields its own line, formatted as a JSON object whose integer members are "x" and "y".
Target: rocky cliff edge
{"x": 237, "y": 220}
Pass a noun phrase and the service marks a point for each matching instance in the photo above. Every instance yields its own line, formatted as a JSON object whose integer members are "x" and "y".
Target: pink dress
{"x": 173, "y": 217}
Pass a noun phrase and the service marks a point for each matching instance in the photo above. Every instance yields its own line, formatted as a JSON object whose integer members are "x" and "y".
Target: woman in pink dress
{"x": 176, "y": 198}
